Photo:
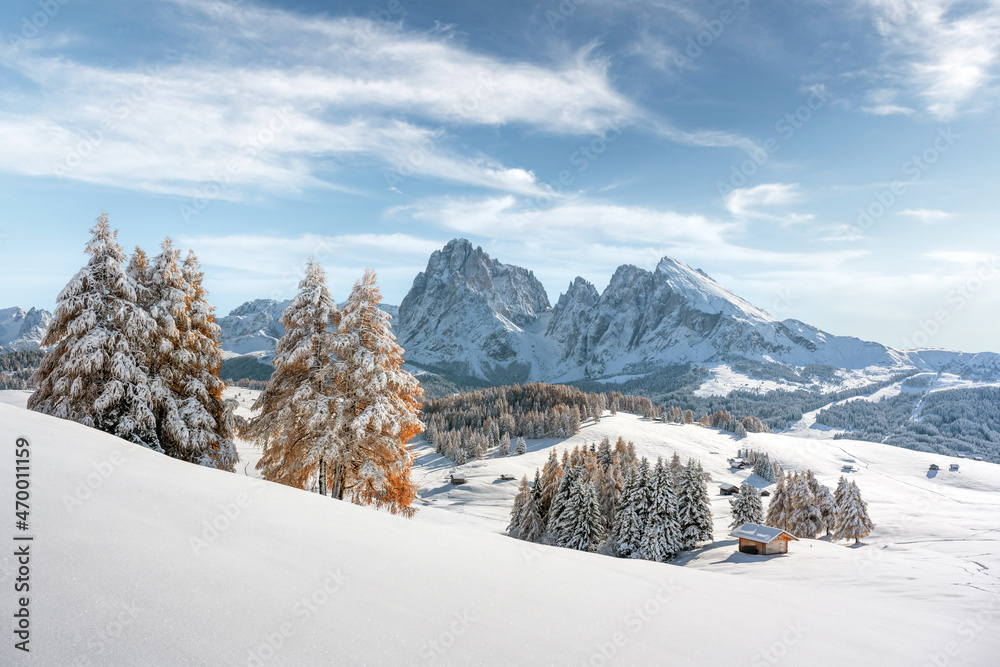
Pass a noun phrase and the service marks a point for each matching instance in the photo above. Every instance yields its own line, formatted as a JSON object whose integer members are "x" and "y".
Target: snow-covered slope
{"x": 22, "y": 330}
{"x": 138, "y": 559}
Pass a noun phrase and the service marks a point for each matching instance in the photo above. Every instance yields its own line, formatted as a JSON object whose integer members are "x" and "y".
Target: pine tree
{"x": 503, "y": 449}
{"x": 299, "y": 418}
{"x": 551, "y": 478}
{"x": 609, "y": 491}
{"x": 193, "y": 421}
{"x": 531, "y": 524}
{"x": 661, "y": 538}
{"x": 694, "y": 509}
{"x": 94, "y": 371}
{"x": 630, "y": 522}
{"x": 580, "y": 525}
{"x": 555, "y": 526}
{"x": 823, "y": 500}
{"x": 852, "y": 516}
{"x": 380, "y": 403}
{"x": 522, "y": 446}
{"x": 747, "y": 507}
{"x": 522, "y": 498}
{"x": 779, "y": 509}
{"x": 806, "y": 519}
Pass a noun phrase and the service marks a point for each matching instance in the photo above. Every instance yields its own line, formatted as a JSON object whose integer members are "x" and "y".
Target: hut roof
{"x": 757, "y": 533}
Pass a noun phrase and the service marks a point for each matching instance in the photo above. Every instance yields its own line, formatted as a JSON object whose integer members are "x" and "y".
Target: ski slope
{"x": 139, "y": 559}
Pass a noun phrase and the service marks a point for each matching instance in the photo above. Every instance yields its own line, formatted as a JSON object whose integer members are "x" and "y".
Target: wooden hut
{"x": 762, "y": 540}
{"x": 954, "y": 467}
{"x": 727, "y": 489}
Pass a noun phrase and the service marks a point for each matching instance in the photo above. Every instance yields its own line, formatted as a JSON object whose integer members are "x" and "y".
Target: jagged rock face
{"x": 468, "y": 313}
{"x": 22, "y": 330}
{"x": 571, "y": 319}
{"x": 253, "y": 327}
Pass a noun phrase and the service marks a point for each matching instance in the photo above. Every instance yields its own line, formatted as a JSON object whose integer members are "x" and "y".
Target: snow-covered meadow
{"x": 141, "y": 559}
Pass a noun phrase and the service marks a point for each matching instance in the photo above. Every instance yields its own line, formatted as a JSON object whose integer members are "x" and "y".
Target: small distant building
{"x": 934, "y": 466}
{"x": 764, "y": 494}
{"x": 762, "y": 540}
{"x": 726, "y": 489}
{"x": 953, "y": 467}
{"x": 977, "y": 458}
{"x": 457, "y": 479}
{"x": 961, "y": 456}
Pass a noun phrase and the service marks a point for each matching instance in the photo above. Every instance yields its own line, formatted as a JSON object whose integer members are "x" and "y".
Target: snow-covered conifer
{"x": 779, "y": 508}
{"x": 694, "y": 511}
{"x": 380, "y": 403}
{"x": 520, "y": 500}
{"x": 661, "y": 538}
{"x": 853, "y": 521}
{"x": 522, "y": 446}
{"x": 551, "y": 477}
{"x": 747, "y": 507}
{"x": 299, "y": 421}
{"x": 94, "y": 371}
{"x": 806, "y": 519}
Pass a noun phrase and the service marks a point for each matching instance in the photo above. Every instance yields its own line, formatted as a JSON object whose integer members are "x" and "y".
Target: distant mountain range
{"x": 470, "y": 317}
{"x": 22, "y": 330}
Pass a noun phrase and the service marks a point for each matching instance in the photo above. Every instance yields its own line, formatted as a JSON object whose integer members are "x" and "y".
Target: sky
{"x": 832, "y": 162}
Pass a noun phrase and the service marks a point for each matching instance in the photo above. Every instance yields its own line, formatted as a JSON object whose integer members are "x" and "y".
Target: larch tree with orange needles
{"x": 380, "y": 404}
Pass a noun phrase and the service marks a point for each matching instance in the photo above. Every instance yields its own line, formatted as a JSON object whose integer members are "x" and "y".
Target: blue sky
{"x": 829, "y": 161}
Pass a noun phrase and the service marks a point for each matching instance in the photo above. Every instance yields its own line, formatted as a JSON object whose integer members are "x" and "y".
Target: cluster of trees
{"x": 474, "y": 424}
{"x": 723, "y": 420}
{"x": 762, "y": 464}
{"x": 339, "y": 409}
{"x": 804, "y": 507}
{"x": 603, "y": 498}
{"x": 957, "y": 421}
{"x": 17, "y": 369}
{"x": 133, "y": 350}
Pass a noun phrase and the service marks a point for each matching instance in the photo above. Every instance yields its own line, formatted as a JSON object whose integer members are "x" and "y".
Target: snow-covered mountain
{"x": 468, "y": 314}
{"x": 22, "y": 330}
{"x": 253, "y": 327}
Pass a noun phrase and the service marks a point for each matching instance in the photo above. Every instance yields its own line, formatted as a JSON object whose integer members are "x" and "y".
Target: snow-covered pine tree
{"x": 194, "y": 423}
{"x": 824, "y": 502}
{"x": 694, "y": 510}
{"x": 380, "y": 403}
{"x": 661, "y": 538}
{"x": 531, "y": 524}
{"x": 838, "y": 495}
{"x": 522, "y": 446}
{"x": 747, "y": 507}
{"x": 806, "y": 520}
{"x": 520, "y": 500}
{"x": 299, "y": 420}
{"x": 779, "y": 508}
{"x": 609, "y": 491}
{"x": 581, "y": 525}
{"x": 676, "y": 470}
{"x": 94, "y": 371}
{"x": 503, "y": 449}
{"x": 555, "y": 526}
{"x": 629, "y": 526}
{"x": 551, "y": 478}
{"x": 853, "y": 521}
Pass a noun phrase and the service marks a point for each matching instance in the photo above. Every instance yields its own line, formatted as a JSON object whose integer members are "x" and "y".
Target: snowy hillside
{"x": 22, "y": 330}
{"x": 141, "y": 559}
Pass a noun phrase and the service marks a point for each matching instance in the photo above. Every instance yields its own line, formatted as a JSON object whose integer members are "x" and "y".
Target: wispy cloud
{"x": 943, "y": 53}
{"x": 926, "y": 215}
{"x": 746, "y": 203}
{"x": 275, "y": 100}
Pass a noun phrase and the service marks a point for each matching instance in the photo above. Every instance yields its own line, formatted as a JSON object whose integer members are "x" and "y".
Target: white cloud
{"x": 746, "y": 203}
{"x": 270, "y": 99}
{"x": 943, "y": 52}
{"x": 926, "y": 215}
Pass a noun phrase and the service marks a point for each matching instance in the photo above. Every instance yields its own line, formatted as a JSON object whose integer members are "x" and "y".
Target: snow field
{"x": 163, "y": 562}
